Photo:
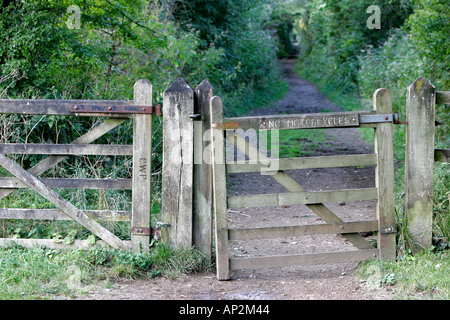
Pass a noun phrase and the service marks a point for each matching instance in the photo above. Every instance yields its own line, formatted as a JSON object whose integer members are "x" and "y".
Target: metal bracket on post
{"x": 141, "y": 231}
{"x": 156, "y": 231}
{"x": 195, "y": 116}
{"x": 111, "y": 109}
{"x": 376, "y": 118}
{"x": 380, "y": 118}
{"x": 388, "y": 229}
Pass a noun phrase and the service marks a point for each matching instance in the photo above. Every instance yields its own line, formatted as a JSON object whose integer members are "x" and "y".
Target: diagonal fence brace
{"x": 69, "y": 209}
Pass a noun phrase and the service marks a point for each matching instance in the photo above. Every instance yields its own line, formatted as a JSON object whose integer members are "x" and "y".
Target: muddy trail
{"x": 317, "y": 282}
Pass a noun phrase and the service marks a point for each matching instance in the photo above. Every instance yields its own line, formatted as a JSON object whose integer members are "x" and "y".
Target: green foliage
{"x": 117, "y": 43}
{"x": 248, "y": 53}
{"x": 348, "y": 61}
{"x": 30, "y": 38}
{"x": 430, "y": 31}
{"x": 338, "y": 32}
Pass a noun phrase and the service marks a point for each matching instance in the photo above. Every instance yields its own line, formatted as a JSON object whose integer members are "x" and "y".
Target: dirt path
{"x": 324, "y": 282}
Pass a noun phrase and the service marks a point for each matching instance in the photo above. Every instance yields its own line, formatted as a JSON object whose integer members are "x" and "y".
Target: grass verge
{"x": 41, "y": 273}
{"x": 420, "y": 276}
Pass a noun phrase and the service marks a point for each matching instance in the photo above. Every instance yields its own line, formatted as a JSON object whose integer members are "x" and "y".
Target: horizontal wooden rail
{"x": 301, "y": 163}
{"x": 52, "y": 244}
{"x": 71, "y": 183}
{"x": 301, "y": 259}
{"x": 442, "y": 97}
{"x": 280, "y": 199}
{"x": 56, "y": 214}
{"x": 66, "y": 149}
{"x": 303, "y": 230}
{"x": 57, "y": 107}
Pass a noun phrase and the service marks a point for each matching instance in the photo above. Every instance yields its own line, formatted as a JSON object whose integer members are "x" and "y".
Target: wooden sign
{"x": 298, "y": 121}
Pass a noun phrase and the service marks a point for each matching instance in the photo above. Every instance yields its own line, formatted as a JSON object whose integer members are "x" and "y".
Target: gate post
{"x": 142, "y": 165}
{"x": 178, "y": 159}
{"x": 419, "y": 162}
{"x": 202, "y": 214}
{"x": 384, "y": 177}
{"x": 219, "y": 189}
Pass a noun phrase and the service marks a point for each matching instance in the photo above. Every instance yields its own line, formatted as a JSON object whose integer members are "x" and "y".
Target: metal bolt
{"x": 109, "y": 108}
{"x": 75, "y": 108}
{"x": 385, "y": 118}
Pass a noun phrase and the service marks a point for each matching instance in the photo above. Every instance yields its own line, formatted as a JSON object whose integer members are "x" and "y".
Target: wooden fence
{"x": 191, "y": 120}
{"x": 420, "y": 156}
{"x": 118, "y": 111}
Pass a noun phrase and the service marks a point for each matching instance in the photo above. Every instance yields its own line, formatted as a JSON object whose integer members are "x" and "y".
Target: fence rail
{"x": 59, "y": 107}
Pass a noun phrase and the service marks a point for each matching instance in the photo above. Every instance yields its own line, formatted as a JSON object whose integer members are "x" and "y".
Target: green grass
{"x": 299, "y": 143}
{"x": 41, "y": 273}
{"x": 248, "y": 99}
{"x": 422, "y": 276}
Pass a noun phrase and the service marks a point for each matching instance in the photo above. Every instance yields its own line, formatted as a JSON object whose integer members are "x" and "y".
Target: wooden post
{"x": 219, "y": 189}
{"x": 202, "y": 219}
{"x": 142, "y": 160}
{"x": 419, "y": 165}
{"x": 178, "y": 159}
{"x": 384, "y": 177}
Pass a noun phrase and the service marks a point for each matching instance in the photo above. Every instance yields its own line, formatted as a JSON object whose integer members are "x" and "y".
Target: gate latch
{"x": 380, "y": 118}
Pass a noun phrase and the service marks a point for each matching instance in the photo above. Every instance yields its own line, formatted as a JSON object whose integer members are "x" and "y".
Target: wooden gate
{"x": 118, "y": 111}
{"x": 381, "y": 119}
